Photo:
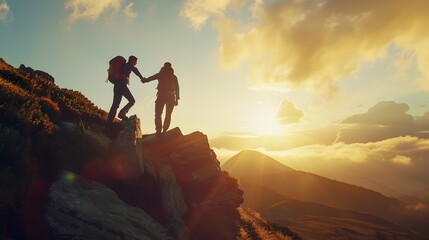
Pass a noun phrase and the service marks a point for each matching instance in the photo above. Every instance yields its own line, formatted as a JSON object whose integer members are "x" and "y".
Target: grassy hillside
{"x": 37, "y": 121}
{"x": 253, "y": 226}
{"x": 33, "y": 104}
{"x": 317, "y": 221}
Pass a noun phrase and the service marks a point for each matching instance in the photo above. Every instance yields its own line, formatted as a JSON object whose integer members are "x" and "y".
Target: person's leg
{"x": 117, "y": 97}
{"x": 169, "y": 106}
{"x": 131, "y": 101}
{"x": 159, "y": 106}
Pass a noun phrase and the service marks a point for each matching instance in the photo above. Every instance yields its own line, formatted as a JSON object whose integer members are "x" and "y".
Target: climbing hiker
{"x": 168, "y": 96}
{"x": 119, "y": 75}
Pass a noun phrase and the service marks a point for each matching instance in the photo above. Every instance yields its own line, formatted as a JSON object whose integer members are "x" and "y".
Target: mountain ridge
{"x": 310, "y": 187}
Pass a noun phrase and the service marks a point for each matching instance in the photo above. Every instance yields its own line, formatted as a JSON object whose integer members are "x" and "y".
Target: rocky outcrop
{"x": 135, "y": 187}
{"x": 128, "y": 145}
{"x": 83, "y": 209}
{"x": 36, "y": 73}
{"x": 132, "y": 178}
{"x": 212, "y": 196}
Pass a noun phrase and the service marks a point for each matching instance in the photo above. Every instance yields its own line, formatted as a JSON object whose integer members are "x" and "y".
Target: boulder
{"x": 82, "y": 209}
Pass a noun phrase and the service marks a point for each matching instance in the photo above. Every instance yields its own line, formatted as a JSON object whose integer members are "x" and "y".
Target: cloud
{"x": 237, "y": 142}
{"x": 4, "y": 10}
{"x": 92, "y": 9}
{"x": 129, "y": 11}
{"x": 314, "y": 43}
{"x": 399, "y": 159}
{"x": 386, "y": 113}
{"x": 288, "y": 113}
{"x": 197, "y": 12}
{"x": 400, "y": 163}
{"x": 384, "y": 120}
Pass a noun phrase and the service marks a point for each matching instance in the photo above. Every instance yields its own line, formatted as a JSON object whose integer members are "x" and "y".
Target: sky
{"x": 296, "y": 79}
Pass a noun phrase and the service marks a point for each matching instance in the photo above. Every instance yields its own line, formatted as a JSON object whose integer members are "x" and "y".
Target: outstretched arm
{"x": 136, "y": 72}
{"x": 151, "y": 78}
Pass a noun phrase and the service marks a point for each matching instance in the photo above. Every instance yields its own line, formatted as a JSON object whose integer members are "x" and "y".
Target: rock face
{"x": 127, "y": 175}
{"x": 128, "y": 145}
{"x": 211, "y": 196}
{"x": 85, "y": 209}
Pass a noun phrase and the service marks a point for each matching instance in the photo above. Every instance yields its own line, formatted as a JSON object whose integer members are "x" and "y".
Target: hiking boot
{"x": 122, "y": 116}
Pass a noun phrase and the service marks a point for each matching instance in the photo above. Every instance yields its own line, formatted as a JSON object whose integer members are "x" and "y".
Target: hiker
{"x": 121, "y": 89}
{"x": 168, "y": 96}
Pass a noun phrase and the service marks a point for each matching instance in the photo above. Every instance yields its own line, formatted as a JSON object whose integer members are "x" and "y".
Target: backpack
{"x": 166, "y": 80}
{"x": 115, "y": 68}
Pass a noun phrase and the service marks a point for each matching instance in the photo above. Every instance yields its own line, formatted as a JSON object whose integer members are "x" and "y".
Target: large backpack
{"x": 115, "y": 68}
{"x": 166, "y": 80}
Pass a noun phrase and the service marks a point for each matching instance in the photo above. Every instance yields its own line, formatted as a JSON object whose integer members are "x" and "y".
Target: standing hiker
{"x": 119, "y": 75}
{"x": 168, "y": 96}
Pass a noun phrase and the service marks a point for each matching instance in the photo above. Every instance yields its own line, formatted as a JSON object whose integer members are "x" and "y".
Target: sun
{"x": 264, "y": 123}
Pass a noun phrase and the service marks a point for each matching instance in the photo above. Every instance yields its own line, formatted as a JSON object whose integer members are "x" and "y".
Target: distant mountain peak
{"x": 253, "y": 163}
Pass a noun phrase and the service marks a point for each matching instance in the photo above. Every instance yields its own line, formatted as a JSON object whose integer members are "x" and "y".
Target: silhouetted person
{"x": 168, "y": 96}
{"x": 121, "y": 89}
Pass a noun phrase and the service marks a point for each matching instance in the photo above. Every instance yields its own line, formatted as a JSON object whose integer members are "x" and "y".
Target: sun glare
{"x": 265, "y": 123}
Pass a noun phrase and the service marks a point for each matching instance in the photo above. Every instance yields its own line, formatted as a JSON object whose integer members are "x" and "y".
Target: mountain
{"x": 253, "y": 163}
{"x": 64, "y": 175}
{"x": 310, "y": 187}
{"x": 258, "y": 197}
{"x": 317, "y": 221}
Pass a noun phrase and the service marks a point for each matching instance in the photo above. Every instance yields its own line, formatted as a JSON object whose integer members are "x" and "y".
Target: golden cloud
{"x": 308, "y": 43}
{"x": 288, "y": 113}
{"x": 386, "y": 113}
{"x": 90, "y": 9}
{"x": 399, "y": 159}
{"x": 4, "y": 10}
{"x": 198, "y": 11}
{"x": 399, "y": 163}
{"x": 384, "y": 120}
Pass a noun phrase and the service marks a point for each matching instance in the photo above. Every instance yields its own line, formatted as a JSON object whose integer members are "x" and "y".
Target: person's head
{"x": 167, "y": 68}
{"x": 167, "y": 64}
{"x": 132, "y": 60}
